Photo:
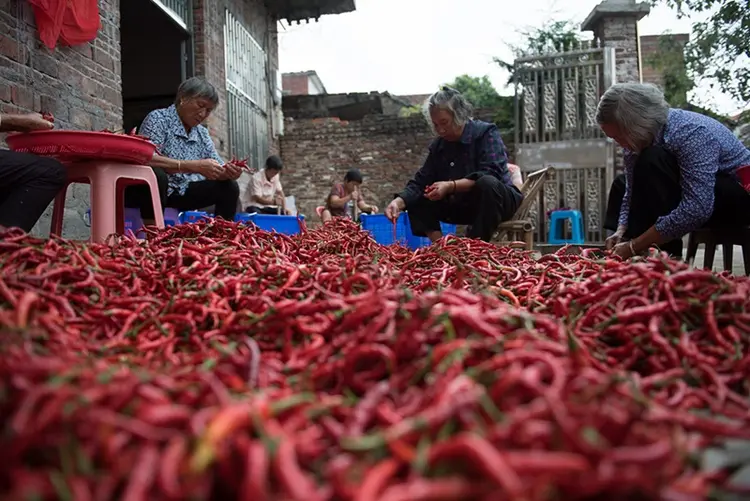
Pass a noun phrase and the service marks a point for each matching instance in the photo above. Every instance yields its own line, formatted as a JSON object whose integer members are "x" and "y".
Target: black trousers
{"x": 28, "y": 183}
{"x": 657, "y": 192}
{"x": 261, "y": 210}
{"x": 489, "y": 202}
{"x": 223, "y": 195}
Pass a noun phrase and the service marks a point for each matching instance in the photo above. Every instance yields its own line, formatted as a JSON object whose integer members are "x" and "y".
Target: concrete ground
{"x": 738, "y": 267}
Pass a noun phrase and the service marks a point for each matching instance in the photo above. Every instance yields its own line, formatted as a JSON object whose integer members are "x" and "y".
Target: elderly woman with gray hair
{"x": 681, "y": 171}
{"x": 465, "y": 178}
{"x": 190, "y": 173}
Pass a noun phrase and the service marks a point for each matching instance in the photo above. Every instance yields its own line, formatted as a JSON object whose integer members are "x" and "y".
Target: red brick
{"x": 22, "y": 97}
{"x": 45, "y": 64}
{"x": 4, "y": 92}
{"x": 10, "y": 48}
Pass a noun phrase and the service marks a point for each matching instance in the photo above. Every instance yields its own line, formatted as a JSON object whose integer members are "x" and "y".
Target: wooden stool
{"x": 727, "y": 238}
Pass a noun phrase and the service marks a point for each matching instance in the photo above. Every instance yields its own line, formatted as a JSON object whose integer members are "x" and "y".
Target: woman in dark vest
{"x": 465, "y": 178}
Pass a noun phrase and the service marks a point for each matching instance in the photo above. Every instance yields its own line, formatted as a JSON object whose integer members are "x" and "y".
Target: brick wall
{"x": 208, "y": 19}
{"x": 295, "y": 84}
{"x": 80, "y": 85}
{"x": 622, "y": 34}
{"x": 651, "y": 45}
{"x": 386, "y": 149}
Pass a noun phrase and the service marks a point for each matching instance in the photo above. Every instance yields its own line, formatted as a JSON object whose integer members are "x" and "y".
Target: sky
{"x": 412, "y": 46}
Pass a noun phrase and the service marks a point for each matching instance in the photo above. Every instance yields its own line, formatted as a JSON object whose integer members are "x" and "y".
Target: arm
{"x": 492, "y": 161}
{"x": 24, "y": 123}
{"x": 280, "y": 193}
{"x": 153, "y": 128}
{"x": 337, "y": 201}
{"x": 629, "y": 159}
{"x": 698, "y": 157}
{"x": 421, "y": 180}
{"x": 254, "y": 188}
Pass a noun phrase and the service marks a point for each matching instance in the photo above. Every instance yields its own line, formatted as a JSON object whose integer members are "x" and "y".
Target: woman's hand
{"x": 624, "y": 250}
{"x": 373, "y": 209}
{"x": 614, "y": 239}
{"x": 394, "y": 208}
{"x": 232, "y": 172}
{"x": 440, "y": 190}
{"x": 210, "y": 169}
{"x": 25, "y": 123}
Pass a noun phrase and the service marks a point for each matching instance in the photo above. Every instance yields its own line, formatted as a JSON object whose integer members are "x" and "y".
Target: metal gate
{"x": 556, "y": 99}
{"x": 247, "y": 93}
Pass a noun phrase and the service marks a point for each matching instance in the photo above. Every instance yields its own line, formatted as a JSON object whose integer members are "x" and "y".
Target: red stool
{"x": 108, "y": 181}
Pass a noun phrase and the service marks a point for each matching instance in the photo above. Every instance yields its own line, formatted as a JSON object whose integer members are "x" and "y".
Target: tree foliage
{"x": 719, "y": 49}
{"x": 669, "y": 60}
{"x": 553, "y": 36}
{"x": 482, "y": 94}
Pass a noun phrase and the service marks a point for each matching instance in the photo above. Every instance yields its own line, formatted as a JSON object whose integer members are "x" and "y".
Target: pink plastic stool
{"x": 108, "y": 181}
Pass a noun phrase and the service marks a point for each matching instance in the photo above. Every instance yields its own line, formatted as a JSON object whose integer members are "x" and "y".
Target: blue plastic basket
{"x": 415, "y": 242}
{"x": 286, "y": 225}
{"x": 243, "y": 217}
{"x": 192, "y": 216}
{"x": 381, "y": 228}
{"x": 171, "y": 217}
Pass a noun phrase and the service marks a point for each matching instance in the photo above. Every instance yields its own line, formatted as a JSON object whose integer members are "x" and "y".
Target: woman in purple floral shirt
{"x": 681, "y": 171}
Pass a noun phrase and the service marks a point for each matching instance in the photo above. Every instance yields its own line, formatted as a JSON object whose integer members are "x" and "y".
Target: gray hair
{"x": 197, "y": 88}
{"x": 639, "y": 111}
{"x": 452, "y": 100}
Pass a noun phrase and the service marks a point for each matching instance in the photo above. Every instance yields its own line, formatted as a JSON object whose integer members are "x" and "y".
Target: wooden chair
{"x": 727, "y": 239}
{"x": 520, "y": 226}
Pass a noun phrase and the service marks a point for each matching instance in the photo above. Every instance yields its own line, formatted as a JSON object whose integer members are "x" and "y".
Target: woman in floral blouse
{"x": 190, "y": 173}
{"x": 682, "y": 171}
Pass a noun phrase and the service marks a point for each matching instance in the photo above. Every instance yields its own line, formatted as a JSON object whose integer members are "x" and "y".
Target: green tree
{"x": 553, "y": 36}
{"x": 478, "y": 90}
{"x": 719, "y": 49}
{"x": 669, "y": 60}
{"x": 482, "y": 94}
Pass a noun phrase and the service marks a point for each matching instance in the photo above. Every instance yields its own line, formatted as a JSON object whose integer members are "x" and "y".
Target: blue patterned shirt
{"x": 703, "y": 147}
{"x": 165, "y": 129}
{"x": 479, "y": 152}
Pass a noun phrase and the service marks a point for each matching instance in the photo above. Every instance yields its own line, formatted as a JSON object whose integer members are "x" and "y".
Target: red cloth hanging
{"x": 73, "y": 22}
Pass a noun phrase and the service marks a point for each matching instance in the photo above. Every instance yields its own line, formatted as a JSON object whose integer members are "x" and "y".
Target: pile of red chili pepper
{"x": 219, "y": 361}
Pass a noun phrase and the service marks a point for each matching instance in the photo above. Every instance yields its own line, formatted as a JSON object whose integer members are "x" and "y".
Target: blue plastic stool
{"x": 556, "y": 226}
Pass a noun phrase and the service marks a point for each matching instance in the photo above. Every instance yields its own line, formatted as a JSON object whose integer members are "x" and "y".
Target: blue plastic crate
{"x": 415, "y": 242}
{"x": 381, "y": 228}
{"x": 171, "y": 217}
{"x": 193, "y": 216}
{"x": 286, "y": 225}
{"x": 243, "y": 217}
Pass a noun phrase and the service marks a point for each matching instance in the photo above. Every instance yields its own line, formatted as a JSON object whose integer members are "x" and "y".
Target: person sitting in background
{"x": 264, "y": 193}
{"x": 28, "y": 183}
{"x": 465, "y": 178}
{"x": 344, "y": 195}
{"x": 190, "y": 173}
{"x": 681, "y": 171}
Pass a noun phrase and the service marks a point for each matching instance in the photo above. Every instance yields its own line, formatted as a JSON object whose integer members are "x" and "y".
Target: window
{"x": 247, "y": 93}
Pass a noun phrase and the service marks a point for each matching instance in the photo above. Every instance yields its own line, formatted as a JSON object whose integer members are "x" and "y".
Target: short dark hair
{"x": 353, "y": 175}
{"x": 274, "y": 163}
{"x": 198, "y": 88}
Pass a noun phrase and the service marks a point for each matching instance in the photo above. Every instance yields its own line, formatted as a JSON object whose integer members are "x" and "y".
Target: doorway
{"x": 156, "y": 54}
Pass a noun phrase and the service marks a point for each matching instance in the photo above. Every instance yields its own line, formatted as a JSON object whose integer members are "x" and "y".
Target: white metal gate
{"x": 556, "y": 99}
{"x": 247, "y": 93}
